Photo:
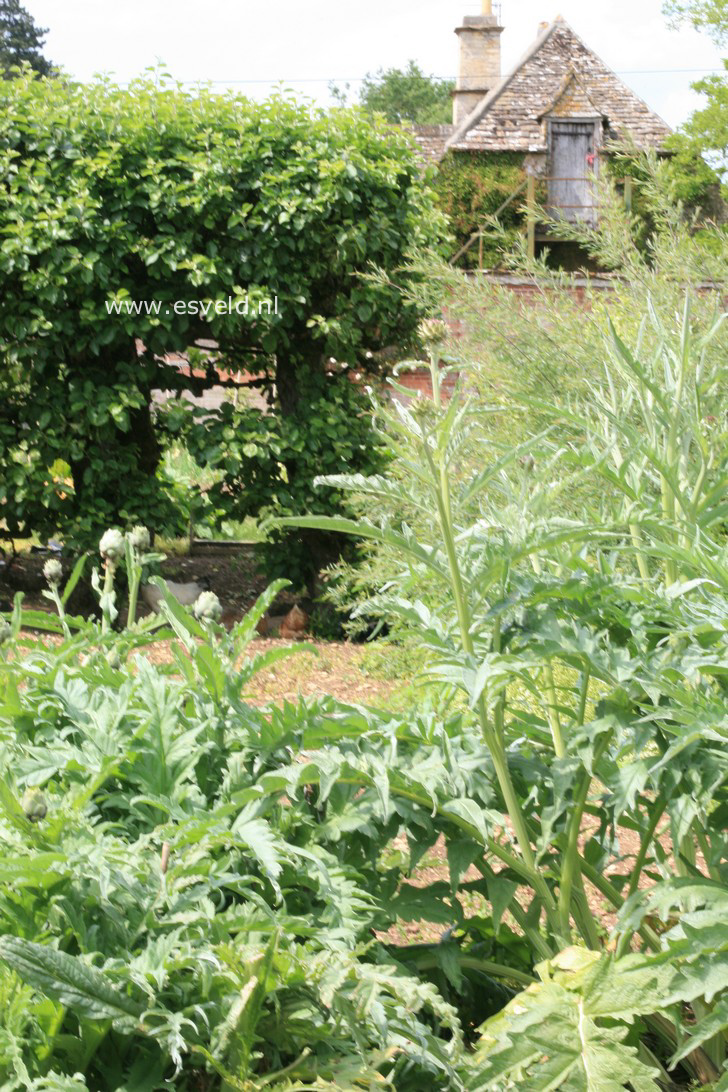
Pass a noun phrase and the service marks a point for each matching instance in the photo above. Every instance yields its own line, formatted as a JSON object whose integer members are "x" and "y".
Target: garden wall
{"x": 529, "y": 293}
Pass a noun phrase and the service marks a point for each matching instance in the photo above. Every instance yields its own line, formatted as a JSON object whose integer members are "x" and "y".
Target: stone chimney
{"x": 480, "y": 60}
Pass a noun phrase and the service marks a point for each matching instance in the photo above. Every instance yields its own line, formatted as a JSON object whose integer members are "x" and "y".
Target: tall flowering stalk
{"x": 53, "y": 572}
{"x": 112, "y": 549}
{"x": 138, "y": 542}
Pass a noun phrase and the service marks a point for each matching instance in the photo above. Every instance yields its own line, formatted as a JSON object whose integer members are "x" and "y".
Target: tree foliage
{"x": 152, "y": 193}
{"x": 21, "y": 41}
{"x": 706, "y": 131}
{"x": 406, "y": 96}
{"x": 708, "y": 15}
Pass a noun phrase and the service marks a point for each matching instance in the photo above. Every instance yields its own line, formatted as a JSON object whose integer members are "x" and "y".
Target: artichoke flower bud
{"x": 5, "y": 631}
{"x": 421, "y": 408}
{"x": 35, "y": 805}
{"x": 207, "y": 607}
{"x": 140, "y": 538}
{"x": 111, "y": 546}
{"x": 432, "y": 333}
{"x": 53, "y": 572}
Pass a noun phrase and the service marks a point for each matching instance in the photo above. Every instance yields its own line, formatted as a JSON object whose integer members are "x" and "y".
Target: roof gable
{"x": 572, "y": 100}
{"x": 558, "y": 65}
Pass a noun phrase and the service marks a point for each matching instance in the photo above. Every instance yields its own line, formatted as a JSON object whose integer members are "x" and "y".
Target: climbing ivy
{"x": 473, "y": 187}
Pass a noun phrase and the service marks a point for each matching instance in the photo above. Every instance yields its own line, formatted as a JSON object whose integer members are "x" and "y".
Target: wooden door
{"x": 573, "y": 162}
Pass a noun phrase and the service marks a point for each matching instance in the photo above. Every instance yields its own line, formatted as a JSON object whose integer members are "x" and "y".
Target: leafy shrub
{"x": 180, "y": 902}
{"x": 155, "y": 194}
{"x": 205, "y": 893}
{"x": 265, "y": 465}
{"x": 630, "y": 612}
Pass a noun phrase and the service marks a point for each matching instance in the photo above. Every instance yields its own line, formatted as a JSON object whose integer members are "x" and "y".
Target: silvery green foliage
{"x": 212, "y": 884}
{"x": 220, "y": 922}
{"x": 589, "y": 653}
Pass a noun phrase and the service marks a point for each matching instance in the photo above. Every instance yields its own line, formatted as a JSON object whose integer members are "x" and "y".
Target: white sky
{"x": 253, "y": 45}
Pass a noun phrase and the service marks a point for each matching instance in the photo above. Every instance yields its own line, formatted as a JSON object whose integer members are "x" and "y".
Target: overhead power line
{"x": 442, "y": 79}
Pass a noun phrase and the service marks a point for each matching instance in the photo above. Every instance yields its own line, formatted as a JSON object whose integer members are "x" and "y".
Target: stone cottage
{"x": 561, "y": 109}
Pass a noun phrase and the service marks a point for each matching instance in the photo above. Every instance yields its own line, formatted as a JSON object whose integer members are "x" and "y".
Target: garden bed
{"x": 230, "y": 568}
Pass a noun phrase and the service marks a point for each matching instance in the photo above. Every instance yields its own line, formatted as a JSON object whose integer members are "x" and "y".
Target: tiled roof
{"x": 431, "y": 140}
{"x": 559, "y": 64}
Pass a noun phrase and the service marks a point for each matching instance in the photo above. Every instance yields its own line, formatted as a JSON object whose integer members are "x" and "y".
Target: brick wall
{"x": 529, "y": 294}
{"x": 420, "y": 383}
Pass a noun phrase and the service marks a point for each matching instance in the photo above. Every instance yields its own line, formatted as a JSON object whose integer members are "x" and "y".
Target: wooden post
{"x": 531, "y": 215}
{"x": 628, "y": 194}
{"x": 480, "y": 252}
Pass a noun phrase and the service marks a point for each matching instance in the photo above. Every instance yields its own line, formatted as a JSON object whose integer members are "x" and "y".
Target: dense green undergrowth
{"x": 198, "y": 893}
{"x": 609, "y": 618}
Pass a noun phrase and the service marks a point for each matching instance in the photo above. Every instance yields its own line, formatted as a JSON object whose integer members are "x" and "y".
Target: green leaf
{"x": 257, "y": 836}
{"x": 715, "y": 1023}
{"x": 425, "y": 904}
{"x": 245, "y": 629}
{"x": 404, "y": 542}
{"x": 551, "y": 1037}
{"x": 41, "y": 871}
{"x": 74, "y": 578}
{"x": 500, "y": 896}
{"x": 68, "y": 979}
{"x": 239, "y": 1031}
{"x": 181, "y": 620}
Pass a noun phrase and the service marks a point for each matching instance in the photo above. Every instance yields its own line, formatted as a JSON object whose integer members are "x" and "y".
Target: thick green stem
{"x": 638, "y": 544}
{"x": 500, "y": 707}
{"x": 135, "y": 579}
{"x": 657, "y": 814}
{"x": 441, "y": 482}
{"x": 713, "y": 872}
{"x": 686, "y": 859}
{"x": 61, "y": 610}
{"x": 669, "y": 500}
{"x": 570, "y": 871}
{"x": 583, "y": 697}
{"x": 429, "y": 961}
{"x": 552, "y": 710}
{"x": 583, "y": 916}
